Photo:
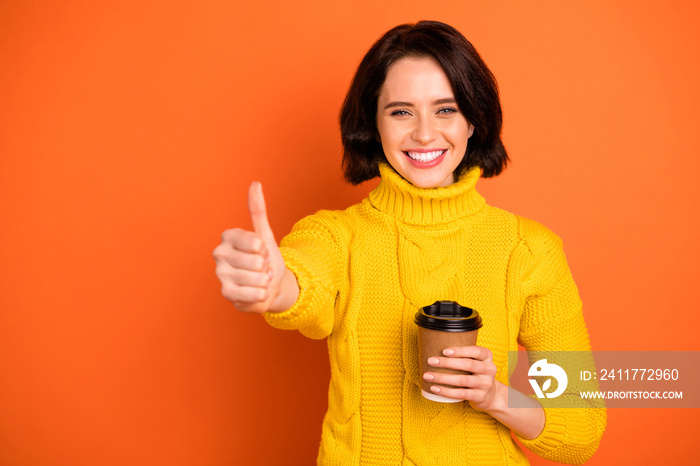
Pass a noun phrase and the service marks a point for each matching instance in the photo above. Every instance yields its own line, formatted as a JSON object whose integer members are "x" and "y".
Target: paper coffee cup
{"x": 442, "y": 325}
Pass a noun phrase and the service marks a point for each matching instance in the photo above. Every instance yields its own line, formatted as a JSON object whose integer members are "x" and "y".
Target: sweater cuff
{"x": 570, "y": 435}
{"x": 553, "y": 434}
{"x": 301, "y": 315}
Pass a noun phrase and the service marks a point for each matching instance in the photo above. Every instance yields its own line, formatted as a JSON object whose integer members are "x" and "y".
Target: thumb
{"x": 258, "y": 213}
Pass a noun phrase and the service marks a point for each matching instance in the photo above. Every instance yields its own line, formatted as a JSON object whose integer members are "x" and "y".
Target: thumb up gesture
{"x": 250, "y": 266}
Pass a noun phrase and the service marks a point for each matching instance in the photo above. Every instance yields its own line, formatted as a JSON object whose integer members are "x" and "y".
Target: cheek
{"x": 461, "y": 135}
{"x": 388, "y": 136}
{"x": 383, "y": 133}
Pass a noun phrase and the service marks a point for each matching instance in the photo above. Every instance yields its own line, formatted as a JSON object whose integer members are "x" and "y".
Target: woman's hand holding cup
{"x": 250, "y": 266}
{"x": 476, "y": 384}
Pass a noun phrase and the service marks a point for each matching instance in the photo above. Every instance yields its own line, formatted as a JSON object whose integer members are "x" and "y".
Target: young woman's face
{"x": 423, "y": 133}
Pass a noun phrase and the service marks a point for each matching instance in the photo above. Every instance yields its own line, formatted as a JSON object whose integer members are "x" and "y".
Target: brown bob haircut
{"x": 473, "y": 84}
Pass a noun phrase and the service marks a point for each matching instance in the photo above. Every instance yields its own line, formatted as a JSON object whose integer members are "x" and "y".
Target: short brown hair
{"x": 473, "y": 84}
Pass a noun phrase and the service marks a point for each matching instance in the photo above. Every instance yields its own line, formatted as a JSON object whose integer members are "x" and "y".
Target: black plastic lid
{"x": 448, "y": 316}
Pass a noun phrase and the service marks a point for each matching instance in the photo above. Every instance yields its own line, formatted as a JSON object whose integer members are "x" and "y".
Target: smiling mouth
{"x": 425, "y": 156}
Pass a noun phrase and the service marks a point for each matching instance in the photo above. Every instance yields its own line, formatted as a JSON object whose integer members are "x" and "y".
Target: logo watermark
{"x": 543, "y": 368}
{"x": 613, "y": 379}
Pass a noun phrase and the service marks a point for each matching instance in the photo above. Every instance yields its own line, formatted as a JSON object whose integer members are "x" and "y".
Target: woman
{"x": 422, "y": 113}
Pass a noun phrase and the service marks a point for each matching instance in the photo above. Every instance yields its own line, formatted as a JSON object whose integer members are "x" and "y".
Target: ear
{"x": 470, "y": 131}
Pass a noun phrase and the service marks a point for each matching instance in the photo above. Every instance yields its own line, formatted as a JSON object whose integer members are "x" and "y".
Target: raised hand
{"x": 250, "y": 266}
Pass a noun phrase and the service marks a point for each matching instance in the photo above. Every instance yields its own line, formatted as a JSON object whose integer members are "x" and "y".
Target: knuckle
{"x": 229, "y": 291}
{"x": 241, "y": 306}
{"x": 482, "y": 383}
{"x": 228, "y": 235}
{"x": 464, "y": 381}
{"x": 221, "y": 255}
{"x": 219, "y": 270}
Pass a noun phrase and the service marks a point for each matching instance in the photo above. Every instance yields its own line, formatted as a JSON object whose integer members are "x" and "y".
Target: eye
{"x": 399, "y": 113}
{"x": 448, "y": 110}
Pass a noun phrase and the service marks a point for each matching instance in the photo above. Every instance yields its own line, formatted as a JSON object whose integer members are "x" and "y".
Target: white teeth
{"x": 425, "y": 156}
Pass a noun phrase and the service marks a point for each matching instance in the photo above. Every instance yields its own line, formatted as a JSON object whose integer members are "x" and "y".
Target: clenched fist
{"x": 250, "y": 266}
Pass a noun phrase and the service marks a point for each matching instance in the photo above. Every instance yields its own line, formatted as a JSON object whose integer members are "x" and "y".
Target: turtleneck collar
{"x": 422, "y": 206}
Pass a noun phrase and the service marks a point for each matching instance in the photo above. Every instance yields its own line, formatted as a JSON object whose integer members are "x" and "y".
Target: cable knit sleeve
{"x": 552, "y": 320}
{"x": 313, "y": 253}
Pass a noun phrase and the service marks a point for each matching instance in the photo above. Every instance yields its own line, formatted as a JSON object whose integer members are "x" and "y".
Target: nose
{"x": 424, "y": 131}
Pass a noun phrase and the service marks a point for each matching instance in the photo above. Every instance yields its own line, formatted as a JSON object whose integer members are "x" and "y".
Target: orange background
{"x": 129, "y": 132}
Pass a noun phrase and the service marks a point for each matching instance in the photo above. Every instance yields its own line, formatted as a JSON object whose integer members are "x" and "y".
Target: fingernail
{"x": 433, "y": 361}
{"x": 435, "y": 388}
{"x": 428, "y": 376}
{"x": 448, "y": 352}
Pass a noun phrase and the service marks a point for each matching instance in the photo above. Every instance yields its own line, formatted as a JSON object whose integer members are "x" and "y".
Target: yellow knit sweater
{"x": 365, "y": 271}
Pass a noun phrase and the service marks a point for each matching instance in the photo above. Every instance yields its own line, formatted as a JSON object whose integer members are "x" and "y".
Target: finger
{"x": 258, "y": 212}
{"x": 254, "y": 308}
{"x": 227, "y": 258}
{"x": 474, "y": 352}
{"x": 456, "y": 393}
{"x": 243, "y": 240}
{"x": 242, "y": 277}
{"x": 456, "y": 380}
{"x": 243, "y": 295}
{"x": 245, "y": 261}
{"x": 464, "y": 364}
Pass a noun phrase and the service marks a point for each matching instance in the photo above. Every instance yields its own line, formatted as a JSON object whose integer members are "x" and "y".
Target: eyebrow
{"x": 448, "y": 100}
